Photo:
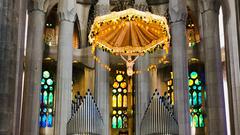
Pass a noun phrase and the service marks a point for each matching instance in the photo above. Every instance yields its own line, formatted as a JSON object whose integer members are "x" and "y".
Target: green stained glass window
{"x": 45, "y": 86}
{"x": 195, "y": 121}
{"x": 190, "y": 99}
{"x": 201, "y": 121}
{"x": 114, "y": 122}
{"x": 50, "y": 100}
{"x": 199, "y": 98}
{"x": 45, "y": 97}
{"x": 195, "y": 100}
{"x": 194, "y": 75}
{"x": 51, "y": 88}
{"x": 46, "y": 100}
{"x": 49, "y": 81}
{"x": 42, "y": 81}
{"x": 197, "y": 82}
{"x": 196, "y": 91}
{"x": 46, "y": 74}
{"x": 120, "y": 122}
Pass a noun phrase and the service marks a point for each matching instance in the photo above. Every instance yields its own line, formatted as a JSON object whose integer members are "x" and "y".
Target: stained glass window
{"x": 192, "y": 32}
{"x": 46, "y": 100}
{"x": 119, "y": 102}
{"x": 195, "y": 99}
{"x": 195, "y": 87}
{"x": 170, "y": 89}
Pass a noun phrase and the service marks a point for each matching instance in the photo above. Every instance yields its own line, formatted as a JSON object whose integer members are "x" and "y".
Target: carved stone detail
{"x": 67, "y": 10}
{"x": 141, "y": 6}
{"x": 213, "y": 5}
{"x": 102, "y": 9}
{"x": 177, "y": 10}
{"x": 40, "y": 5}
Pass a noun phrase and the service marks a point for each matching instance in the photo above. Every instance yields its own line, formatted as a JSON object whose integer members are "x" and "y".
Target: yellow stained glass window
{"x": 190, "y": 82}
{"x": 172, "y": 97}
{"x": 119, "y": 78}
{"x": 125, "y": 101}
{"x": 120, "y": 100}
{"x": 114, "y": 101}
{"x": 170, "y": 82}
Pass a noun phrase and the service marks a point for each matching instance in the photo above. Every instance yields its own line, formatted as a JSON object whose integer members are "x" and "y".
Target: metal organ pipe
{"x": 86, "y": 118}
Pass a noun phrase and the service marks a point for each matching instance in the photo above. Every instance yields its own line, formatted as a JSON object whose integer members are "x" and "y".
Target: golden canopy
{"x": 129, "y": 32}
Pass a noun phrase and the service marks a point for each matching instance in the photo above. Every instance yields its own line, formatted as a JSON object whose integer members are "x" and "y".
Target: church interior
{"x": 120, "y": 67}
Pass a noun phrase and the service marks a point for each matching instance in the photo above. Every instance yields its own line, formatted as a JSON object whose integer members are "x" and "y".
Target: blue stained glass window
{"x": 190, "y": 99}
{"x": 46, "y": 100}
{"x": 45, "y": 86}
{"x": 44, "y": 120}
{"x": 195, "y": 100}
{"x": 45, "y": 110}
{"x": 199, "y": 98}
{"x": 49, "y": 121}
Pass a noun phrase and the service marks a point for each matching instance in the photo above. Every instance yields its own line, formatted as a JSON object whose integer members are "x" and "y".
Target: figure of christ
{"x": 129, "y": 64}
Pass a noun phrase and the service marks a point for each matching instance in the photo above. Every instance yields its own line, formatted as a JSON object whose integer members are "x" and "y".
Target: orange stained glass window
{"x": 115, "y": 85}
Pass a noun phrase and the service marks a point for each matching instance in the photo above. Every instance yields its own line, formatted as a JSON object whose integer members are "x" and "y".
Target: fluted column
{"x": 213, "y": 68}
{"x": 67, "y": 12}
{"x": 12, "y": 27}
{"x": 33, "y": 71}
{"x": 232, "y": 60}
{"x": 178, "y": 16}
{"x": 101, "y": 92}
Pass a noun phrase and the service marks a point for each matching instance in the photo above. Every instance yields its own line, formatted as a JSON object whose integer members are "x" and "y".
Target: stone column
{"x": 82, "y": 13}
{"x": 178, "y": 16}
{"x": 67, "y": 12}
{"x": 33, "y": 71}
{"x": 101, "y": 92}
{"x": 232, "y": 60}
{"x": 142, "y": 90}
{"x": 12, "y": 27}
{"x": 142, "y": 80}
{"x": 216, "y": 118}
